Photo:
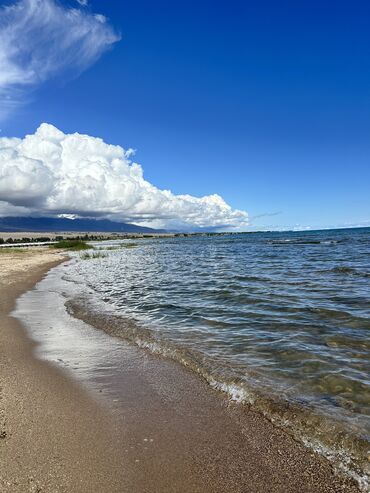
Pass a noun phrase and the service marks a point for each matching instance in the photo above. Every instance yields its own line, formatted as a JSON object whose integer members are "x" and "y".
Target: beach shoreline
{"x": 64, "y": 440}
{"x": 49, "y": 426}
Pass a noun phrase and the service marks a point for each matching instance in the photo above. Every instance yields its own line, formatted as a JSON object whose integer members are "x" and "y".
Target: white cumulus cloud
{"x": 40, "y": 39}
{"x": 53, "y": 173}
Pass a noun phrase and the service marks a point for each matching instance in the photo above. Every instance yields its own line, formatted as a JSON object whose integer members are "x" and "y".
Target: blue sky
{"x": 265, "y": 103}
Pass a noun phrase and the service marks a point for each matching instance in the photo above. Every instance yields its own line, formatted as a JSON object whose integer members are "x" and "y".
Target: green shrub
{"x": 72, "y": 245}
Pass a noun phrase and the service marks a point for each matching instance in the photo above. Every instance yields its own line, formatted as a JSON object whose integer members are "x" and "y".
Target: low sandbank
{"x": 170, "y": 432}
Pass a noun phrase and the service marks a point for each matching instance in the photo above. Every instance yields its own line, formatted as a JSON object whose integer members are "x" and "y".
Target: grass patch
{"x": 129, "y": 245}
{"x": 119, "y": 247}
{"x": 12, "y": 250}
{"x": 89, "y": 256}
{"x": 111, "y": 248}
{"x": 74, "y": 245}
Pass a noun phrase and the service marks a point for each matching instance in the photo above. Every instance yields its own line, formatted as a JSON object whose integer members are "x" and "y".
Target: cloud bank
{"x": 52, "y": 173}
{"x": 40, "y": 39}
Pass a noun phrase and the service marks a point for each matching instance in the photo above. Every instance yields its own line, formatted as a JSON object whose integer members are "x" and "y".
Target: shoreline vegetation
{"x": 12, "y": 238}
{"x": 56, "y": 437}
{"x": 73, "y": 245}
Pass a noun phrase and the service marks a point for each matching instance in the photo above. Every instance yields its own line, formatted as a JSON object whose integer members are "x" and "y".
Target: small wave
{"x": 303, "y": 242}
{"x": 235, "y": 392}
{"x": 346, "y": 271}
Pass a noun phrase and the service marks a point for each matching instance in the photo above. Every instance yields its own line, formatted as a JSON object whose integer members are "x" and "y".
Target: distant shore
{"x": 172, "y": 433}
{"x": 33, "y": 238}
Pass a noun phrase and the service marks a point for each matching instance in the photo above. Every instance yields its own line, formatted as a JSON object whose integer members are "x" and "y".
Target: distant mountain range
{"x": 53, "y": 224}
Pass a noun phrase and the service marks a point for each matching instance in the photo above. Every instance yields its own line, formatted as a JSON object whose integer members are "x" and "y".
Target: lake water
{"x": 279, "y": 321}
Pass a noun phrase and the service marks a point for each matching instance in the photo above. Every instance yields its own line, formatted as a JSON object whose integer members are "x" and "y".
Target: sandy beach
{"x": 170, "y": 431}
{"x": 52, "y": 434}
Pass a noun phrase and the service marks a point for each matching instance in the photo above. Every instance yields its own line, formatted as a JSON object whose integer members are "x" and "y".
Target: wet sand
{"x": 166, "y": 430}
{"x": 53, "y": 436}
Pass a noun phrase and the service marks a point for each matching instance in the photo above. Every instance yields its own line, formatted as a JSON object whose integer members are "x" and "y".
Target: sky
{"x": 242, "y": 115}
